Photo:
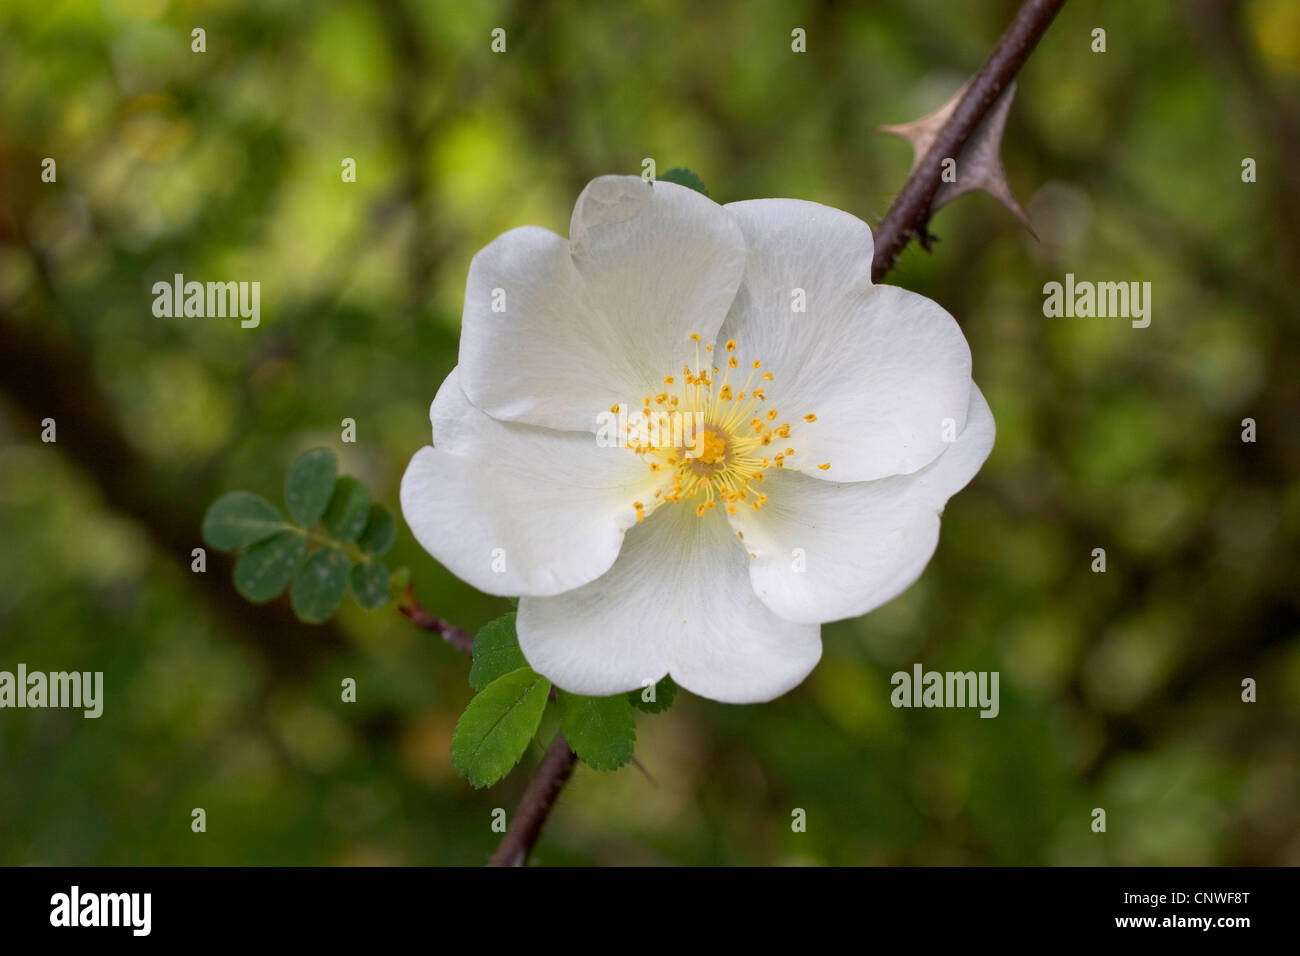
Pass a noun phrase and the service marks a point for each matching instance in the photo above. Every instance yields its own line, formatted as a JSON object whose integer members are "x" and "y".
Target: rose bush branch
{"x": 908, "y": 216}
{"x": 535, "y": 806}
{"x": 551, "y": 776}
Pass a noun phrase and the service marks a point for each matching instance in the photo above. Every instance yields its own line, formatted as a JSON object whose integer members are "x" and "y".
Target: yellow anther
{"x": 731, "y": 345}
{"x": 824, "y": 467}
{"x": 810, "y": 417}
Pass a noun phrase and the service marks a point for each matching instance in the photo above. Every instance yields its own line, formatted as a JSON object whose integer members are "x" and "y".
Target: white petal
{"x": 603, "y": 318}
{"x": 822, "y": 551}
{"x": 517, "y": 509}
{"x": 677, "y": 601}
{"x": 883, "y": 369}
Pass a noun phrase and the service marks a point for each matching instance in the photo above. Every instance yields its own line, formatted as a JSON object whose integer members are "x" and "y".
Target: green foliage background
{"x": 1118, "y": 690}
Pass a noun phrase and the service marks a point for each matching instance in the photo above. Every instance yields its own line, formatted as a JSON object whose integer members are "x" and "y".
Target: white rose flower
{"x": 814, "y": 452}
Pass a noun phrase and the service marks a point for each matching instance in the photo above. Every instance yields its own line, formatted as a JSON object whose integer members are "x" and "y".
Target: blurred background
{"x": 1119, "y": 690}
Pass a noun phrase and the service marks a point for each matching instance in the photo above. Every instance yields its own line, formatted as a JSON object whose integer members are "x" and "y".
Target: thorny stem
{"x": 543, "y": 790}
{"x": 910, "y": 212}
{"x": 906, "y": 218}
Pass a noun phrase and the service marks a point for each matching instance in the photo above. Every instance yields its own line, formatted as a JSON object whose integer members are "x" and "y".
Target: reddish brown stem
{"x": 421, "y": 618}
{"x": 543, "y": 790}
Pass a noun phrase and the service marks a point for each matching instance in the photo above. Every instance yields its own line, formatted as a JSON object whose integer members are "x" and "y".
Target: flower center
{"x": 713, "y": 441}
{"x": 713, "y": 450}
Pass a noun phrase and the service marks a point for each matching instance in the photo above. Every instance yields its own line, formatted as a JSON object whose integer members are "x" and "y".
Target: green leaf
{"x": 264, "y": 570}
{"x": 320, "y": 585}
{"x": 240, "y": 518}
{"x": 496, "y": 652}
{"x": 496, "y": 727}
{"x": 684, "y": 177}
{"x": 309, "y": 484}
{"x": 380, "y": 531}
{"x": 348, "y": 509}
{"x": 601, "y": 730}
{"x": 370, "y": 584}
{"x": 664, "y": 693}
